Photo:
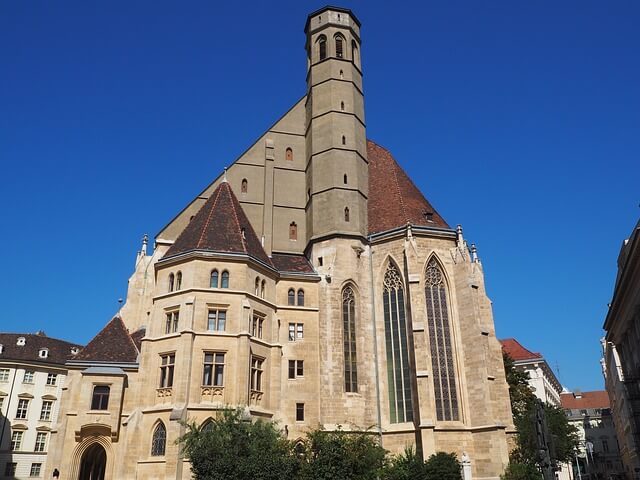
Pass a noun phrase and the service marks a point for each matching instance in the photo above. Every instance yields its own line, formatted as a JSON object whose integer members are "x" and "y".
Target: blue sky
{"x": 519, "y": 120}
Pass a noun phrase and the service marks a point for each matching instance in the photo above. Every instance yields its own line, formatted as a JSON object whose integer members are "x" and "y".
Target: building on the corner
{"x": 32, "y": 375}
{"x": 542, "y": 380}
{"x": 621, "y": 353}
{"x": 599, "y": 454}
{"x": 312, "y": 284}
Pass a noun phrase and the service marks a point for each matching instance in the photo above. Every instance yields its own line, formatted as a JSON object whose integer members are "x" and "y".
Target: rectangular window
{"x": 216, "y": 320}
{"x": 213, "y": 374}
{"x": 52, "y": 379}
{"x": 100, "y": 398}
{"x": 1, "y": 403}
{"x": 28, "y": 376}
{"x": 299, "y": 412}
{"x": 45, "y": 413}
{"x": 4, "y": 376}
{"x": 10, "y": 469}
{"x": 296, "y": 369}
{"x": 41, "y": 442}
{"x": 256, "y": 373}
{"x": 296, "y": 332}
{"x": 16, "y": 440}
{"x": 256, "y": 326}
{"x": 171, "y": 325}
{"x": 167, "y": 363}
{"x": 23, "y": 408}
{"x": 36, "y": 468}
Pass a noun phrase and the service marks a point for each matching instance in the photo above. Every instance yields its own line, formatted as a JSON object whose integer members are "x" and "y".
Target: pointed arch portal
{"x": 94, "y": 463}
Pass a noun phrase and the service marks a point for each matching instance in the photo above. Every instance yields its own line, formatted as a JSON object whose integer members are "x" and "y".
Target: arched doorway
{"x": 93, "y": 463}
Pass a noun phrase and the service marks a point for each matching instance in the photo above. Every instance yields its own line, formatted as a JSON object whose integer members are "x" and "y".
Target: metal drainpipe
{"x": 375, "y": 343}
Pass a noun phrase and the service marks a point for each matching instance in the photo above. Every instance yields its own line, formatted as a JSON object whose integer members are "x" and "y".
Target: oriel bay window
{"x": 167, "y": 364}
{"x": 213, "y": 372}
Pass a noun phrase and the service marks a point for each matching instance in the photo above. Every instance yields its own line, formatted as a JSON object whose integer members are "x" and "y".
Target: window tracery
{"x": 349, "y": 340}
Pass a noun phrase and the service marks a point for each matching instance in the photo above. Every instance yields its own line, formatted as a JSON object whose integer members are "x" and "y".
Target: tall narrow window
{"x": 344, "y": 140}
{"x": 214, "y": 279}
{"x": 178, "y": 280}
{"x": 23, "y": 409}
{"x": 216, "y": 320}
{"x": 346, "y": 214}
{"x": 213, "y": 373}
{"x": 100, "y": 398}
{"x": 171, "y": 324}
{"x": 41, "y": 442}
{"x": 159, "y": 440}
{"x": 322, "y": 47}
{"x": 293, "y": 231}
{"x": 256, "y": 373}
{"x": 349, "y": 340}
{"x": 257, "y": 286}
{"x": 395, "y": 328}
{"x": 301, "y": 298}
{"x": 342, "y": 106}
{"x": 45, "y": 411}
{"x": 344, "y": 180}
{"x": 354, "y": 53}
{"x": 288, "y": 154}
{"x": 263, "y": 288}
{"x": 291, "y": 297}
{"x": 16, "y": 440}
{"x": 225, "y": 280}
{"x": 244, "y": 186}
{"x": 167, "y": 363}
{"x": 444, "y": 376}
{"x": 171, "y": 281}
{"x": 339, "y": 47}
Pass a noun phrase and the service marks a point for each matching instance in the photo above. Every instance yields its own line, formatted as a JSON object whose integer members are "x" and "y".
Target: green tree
{"x": 405, "y": 466}
{"x": 342, "y": 455}
{"x": 443, "y": 466}
{"x": 233, "y": 449}
{"x": 521, "y": 471}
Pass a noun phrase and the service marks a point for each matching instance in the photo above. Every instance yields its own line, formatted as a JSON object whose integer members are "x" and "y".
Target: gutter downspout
{"x": 375, "y": 343}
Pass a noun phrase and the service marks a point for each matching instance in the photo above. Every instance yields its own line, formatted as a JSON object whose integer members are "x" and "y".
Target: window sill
{"x": 99, "y": 412}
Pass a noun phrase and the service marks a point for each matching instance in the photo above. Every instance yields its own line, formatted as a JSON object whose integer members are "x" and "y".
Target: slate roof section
{"x": 112, "y": 344}
{"x": 394, "y": 200}
{"x": 59, "y": 350}
{"x": 593, "y": 399}
{"x": 517, "y": 352}
{"x": 218, "y": 227}
{"x": 289, "y": 263}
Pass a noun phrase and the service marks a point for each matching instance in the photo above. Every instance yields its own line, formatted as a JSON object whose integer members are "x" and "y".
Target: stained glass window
{"x": 349, "y": 339}
{"x": 159, "y": 441}
{"x": 444, "y": 376}
{"x": 395, "y": 327}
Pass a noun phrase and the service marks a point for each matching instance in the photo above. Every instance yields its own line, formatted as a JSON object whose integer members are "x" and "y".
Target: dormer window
{"x": 428, "y": 216}
{"x": 1, "y": 348}
{"x": 21, "y": 341}
{"x": 74, "y": 350}
{"x": 43, "y": 353}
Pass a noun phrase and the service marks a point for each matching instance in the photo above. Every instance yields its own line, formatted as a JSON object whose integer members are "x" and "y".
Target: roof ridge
{"x": 209, "y": 215}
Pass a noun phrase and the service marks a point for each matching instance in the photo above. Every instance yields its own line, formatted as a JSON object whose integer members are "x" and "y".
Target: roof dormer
{"x": 43, "y": 353}
{"x": 21, "y": 342}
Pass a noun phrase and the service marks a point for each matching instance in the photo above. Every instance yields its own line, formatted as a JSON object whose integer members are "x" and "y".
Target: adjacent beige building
{"x": 32, "y": 375}
{"x": 311, "y": 284}
{"x": 621, "y": 355}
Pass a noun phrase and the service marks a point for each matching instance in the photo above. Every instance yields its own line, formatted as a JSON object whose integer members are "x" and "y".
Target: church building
{"x": 312, "y": 284}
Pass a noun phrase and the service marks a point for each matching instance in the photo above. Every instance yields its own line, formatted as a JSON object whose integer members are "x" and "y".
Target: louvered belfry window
{"x": 444, "y": 375}
{"x": 395, "y": 328}
{"x": 349, "y": 338}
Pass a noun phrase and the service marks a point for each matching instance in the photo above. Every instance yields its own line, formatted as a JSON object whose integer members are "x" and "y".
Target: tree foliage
{"x": 405, "y": 466}
{"x": 443, "y": 466}
{"x": 521, "y": 471}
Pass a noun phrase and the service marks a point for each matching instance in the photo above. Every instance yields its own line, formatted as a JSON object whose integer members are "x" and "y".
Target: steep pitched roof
{"x": 218, "y": 227}
{"x": 594, "y": 399}
{"x": 516, "y": 351}
{"x": 394, "y": 200}
{"x": 112, "y": 344}
{"x": 59, "y": 350}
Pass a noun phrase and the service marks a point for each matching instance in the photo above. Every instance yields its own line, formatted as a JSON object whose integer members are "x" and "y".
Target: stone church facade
{"x": 311, "y": 284}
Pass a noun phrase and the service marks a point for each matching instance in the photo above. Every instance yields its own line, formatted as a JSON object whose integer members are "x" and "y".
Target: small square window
{"x": 52, "y": 379}
{"x": 23, "y": 409}
{"x": 299, "y": 412}
{"x": 28, "y": 376}
{"x": 36, "y": 469}
{"x": 296, "y": 332}
{"x": 4, "y": 374}
{"x": 216, "y": 320}
{"x": 16, "y": 440}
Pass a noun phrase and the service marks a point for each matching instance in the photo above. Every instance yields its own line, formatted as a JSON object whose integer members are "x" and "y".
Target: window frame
{"x": 300, "y": 298}
{"x": 299, "y": 411}
{"x": 4, "y": 375}
{"x": 167, "y": 369}
{"x": 219, "y": 314}
{"x": 52, "y": 379}
{"x": 257, "y": 324}
{"x": 257, "y": 370}
{"x": 172, "y": 321}
{"x": 215, "y": 369}
{"x": 101, "y": 397}
{"x": 159, "y": 440}
{"x": 40, "y": 445}
{"x": 36, "y": 470}
{"x": 224, "y": 282}
{"x": 45, "y": 413}
{"x": 214, "y": 274}
{"x": 17, "y": 436}
{"x": 295, "y": 369}
{"x": 22, "y": 410}
{"x": 29, "y": 376}
{"x": 297, "y": 331}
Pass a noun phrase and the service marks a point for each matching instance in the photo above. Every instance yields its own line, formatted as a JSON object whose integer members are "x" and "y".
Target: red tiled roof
{"x": 394, "y": 200}
{"x": 517, "y": 352}
{"x": 292, "y": 263}
{"x": 59, "y": 350}
{"x": 595, "y": 399}
{"x": 112, "y": 344}
{"x": 218, "y": 227}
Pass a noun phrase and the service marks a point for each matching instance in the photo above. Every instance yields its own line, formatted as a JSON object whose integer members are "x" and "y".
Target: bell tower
{"x": 337, "y": 167}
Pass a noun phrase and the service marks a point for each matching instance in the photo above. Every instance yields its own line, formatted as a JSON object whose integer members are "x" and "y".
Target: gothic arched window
{"x": 207, "y": 426}
{"x": 444, "y": 376}
{"x": 159, "y": 440}
{"x": 225, "y": 280}
{"x": 244, "y": 186}
{"x": 178, "y": 280}
{"x": 339, "y": 46}
{"x": 349, "y": 339}
{"x": 301, "y": 298}
{"x": 257, "y": 286}
{"x": 395, "y": 330}
{"x": 322, "y": 47}
{"x": 214, "y": 279}
{"x": 291, "y": 297}
{"x": 171, "y": 281}
{"x": 262, "y": 288}
{"x": 288, "y": 155}
{"x": 346, "y": 214}
{"x": 354, "y": 53}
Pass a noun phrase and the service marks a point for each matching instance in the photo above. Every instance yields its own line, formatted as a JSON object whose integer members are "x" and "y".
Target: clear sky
{"x": 519, "y": 120}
